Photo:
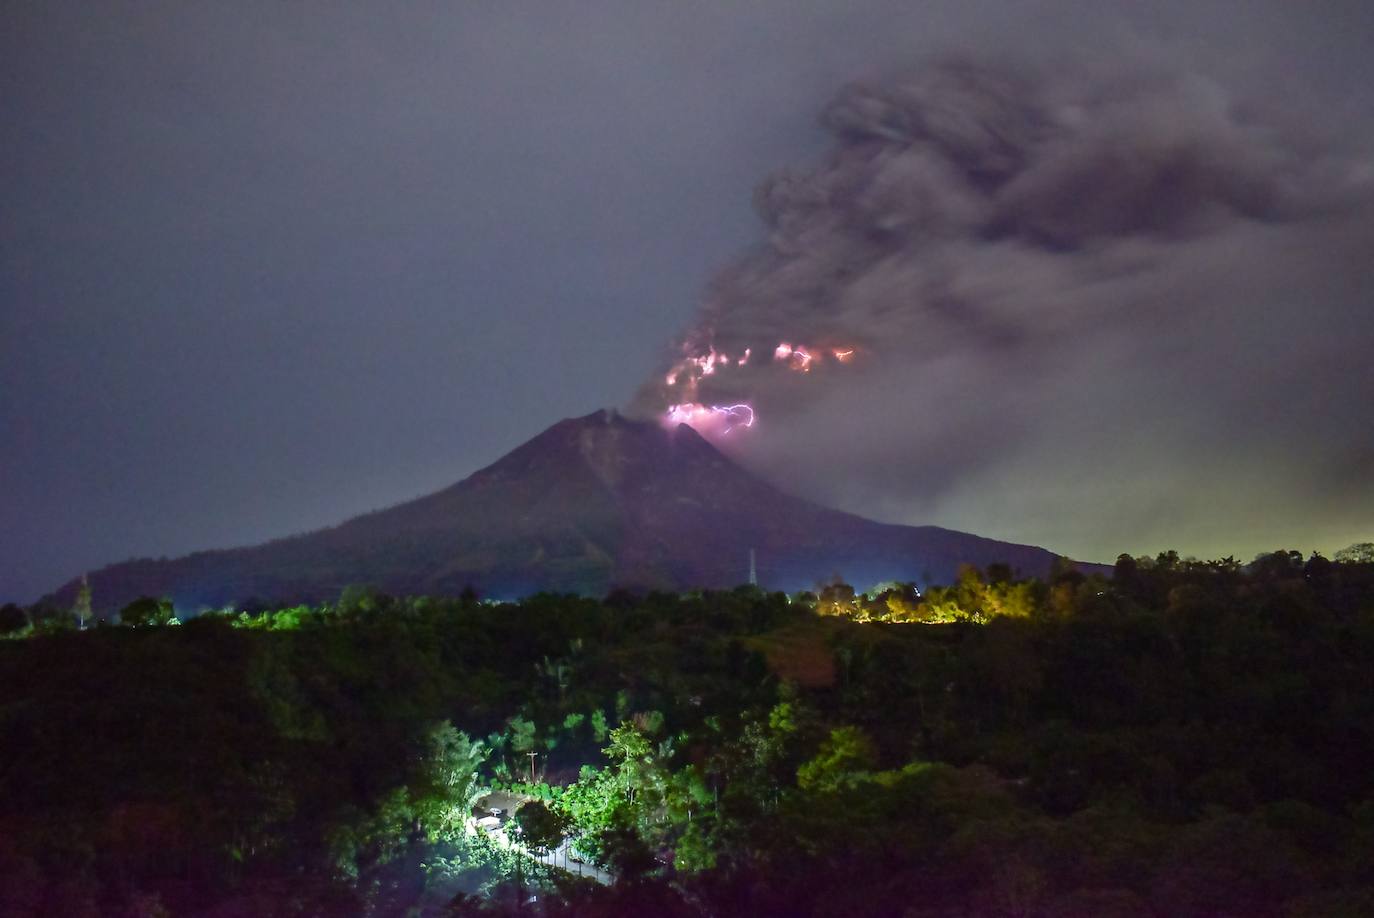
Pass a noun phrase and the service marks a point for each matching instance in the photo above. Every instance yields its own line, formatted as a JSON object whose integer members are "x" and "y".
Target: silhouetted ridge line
{"x": 586, "y": 506}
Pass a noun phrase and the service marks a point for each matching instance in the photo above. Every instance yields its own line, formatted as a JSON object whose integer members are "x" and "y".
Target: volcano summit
{"x": 589, "y": 505}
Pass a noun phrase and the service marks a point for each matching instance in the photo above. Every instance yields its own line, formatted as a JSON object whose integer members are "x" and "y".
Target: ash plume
{"x": 1075, "y": 298}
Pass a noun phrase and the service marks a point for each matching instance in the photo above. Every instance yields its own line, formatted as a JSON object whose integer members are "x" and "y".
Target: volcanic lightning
{"x": 694, "y": 368}
{"x": 685, "y": 376}
{"x": 715, "y": 419}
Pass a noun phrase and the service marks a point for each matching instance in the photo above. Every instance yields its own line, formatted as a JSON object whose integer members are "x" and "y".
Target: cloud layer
{"x": 1103, "y": 308}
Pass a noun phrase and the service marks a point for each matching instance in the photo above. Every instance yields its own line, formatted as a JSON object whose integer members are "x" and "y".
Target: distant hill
{"x": 590, "y": 504}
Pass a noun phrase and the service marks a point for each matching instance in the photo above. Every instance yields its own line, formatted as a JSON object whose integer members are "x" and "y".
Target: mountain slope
{"x": 590, "y": 504}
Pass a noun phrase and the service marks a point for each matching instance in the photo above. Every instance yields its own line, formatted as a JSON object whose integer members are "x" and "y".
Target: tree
{"x": 450, "y": 787}
{"x": 600, "y": 728}
{"x": 633, "y": 756}
{"x": 1277, "y": 565}
{"x": 541, "y": 828}
{"x": 845, "y": 757}
{"x": 359, "y": 599}
{"x": 558, "y": 673}
{"x": 1000, "y": 572}
{"x": 1359, "y": 553}
{"x": 836, "y": 599}
{"x": 521, "y": 732}
{"x": 970, "y": 591}
{"x": 901, "y": 606}
{"x": 1062, "y": 567}
{"x": 146, "y": 611}
{"x": 12, "y": 619}
{"x": 592, "y": 805}
{"x": 48, "y": 617}
{"x": 81, "y": 609}
{"x": 1126, "y": 571}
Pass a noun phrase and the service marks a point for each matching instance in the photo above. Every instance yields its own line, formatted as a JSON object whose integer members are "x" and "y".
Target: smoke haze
{"x": 1098, "y": 306}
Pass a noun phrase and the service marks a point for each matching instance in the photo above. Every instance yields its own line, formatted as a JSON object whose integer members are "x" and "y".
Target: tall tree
{"x": 1359, "y": 553}
{"x": 147, "y": 611}
{"x": 449, "y": 784}
{"x": 12, "y": 619}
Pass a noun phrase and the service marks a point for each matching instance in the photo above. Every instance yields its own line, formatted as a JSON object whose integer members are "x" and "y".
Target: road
{"x": 561, "y": 858}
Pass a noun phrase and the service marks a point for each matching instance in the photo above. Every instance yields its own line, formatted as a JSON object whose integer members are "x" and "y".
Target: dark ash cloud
{"x": 1099, "y": 307}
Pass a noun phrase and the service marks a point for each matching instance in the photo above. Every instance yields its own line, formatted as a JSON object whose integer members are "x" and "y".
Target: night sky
{"x": 1107, "y": 268}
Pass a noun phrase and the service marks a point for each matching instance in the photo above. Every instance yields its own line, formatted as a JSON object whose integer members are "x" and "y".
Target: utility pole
{"x": 753, "y": 571}
{"x": 82, "y": 608}
{"x": 532, "y": 757}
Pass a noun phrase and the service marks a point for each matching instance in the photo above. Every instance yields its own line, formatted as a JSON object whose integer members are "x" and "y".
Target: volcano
{"x": 589, "y": 505}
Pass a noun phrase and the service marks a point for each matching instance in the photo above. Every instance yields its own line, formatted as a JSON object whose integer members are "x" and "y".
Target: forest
{"x": 1180, "y": 738}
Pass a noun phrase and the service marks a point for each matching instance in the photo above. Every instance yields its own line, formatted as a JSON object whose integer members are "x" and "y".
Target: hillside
{"x": 590, "y": 504}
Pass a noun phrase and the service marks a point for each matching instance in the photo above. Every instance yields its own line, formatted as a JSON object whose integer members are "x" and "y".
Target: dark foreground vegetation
{"x": 1182, "y": 739}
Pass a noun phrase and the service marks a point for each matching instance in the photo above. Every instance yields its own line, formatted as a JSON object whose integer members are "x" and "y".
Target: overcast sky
{"x": 264, "y": 266}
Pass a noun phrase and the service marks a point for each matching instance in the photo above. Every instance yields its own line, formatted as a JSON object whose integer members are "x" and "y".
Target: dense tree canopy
{"x": 1184, "y": 738}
